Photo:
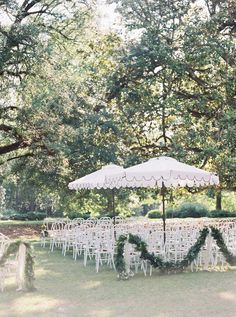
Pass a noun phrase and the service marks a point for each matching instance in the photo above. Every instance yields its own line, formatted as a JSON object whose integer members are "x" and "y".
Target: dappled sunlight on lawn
{"x": 45, "y": 272}
{"x": 29, "y": 304}
{"x": 91, "y": 284}
{"x": 230, "y": 296}
{"x": 160, "y": 315}
{"x": 101, "y": 313}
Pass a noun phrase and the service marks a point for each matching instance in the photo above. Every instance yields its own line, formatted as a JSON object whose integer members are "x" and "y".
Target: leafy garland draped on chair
{"x": 169, "y": 266}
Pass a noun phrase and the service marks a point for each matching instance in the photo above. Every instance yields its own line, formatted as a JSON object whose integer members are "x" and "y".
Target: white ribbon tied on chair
{"x": 20, "y": 271}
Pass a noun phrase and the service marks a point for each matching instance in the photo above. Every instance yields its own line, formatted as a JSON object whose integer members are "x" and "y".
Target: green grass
{"x": 66, "y": 288}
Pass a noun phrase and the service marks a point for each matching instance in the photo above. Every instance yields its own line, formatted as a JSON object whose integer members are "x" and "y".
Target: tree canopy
{"x": 75, "y": 97}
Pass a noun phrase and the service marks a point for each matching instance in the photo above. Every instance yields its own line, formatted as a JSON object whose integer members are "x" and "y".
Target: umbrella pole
{"x": 163, "y": 211}
{"x": 113, "y": 206}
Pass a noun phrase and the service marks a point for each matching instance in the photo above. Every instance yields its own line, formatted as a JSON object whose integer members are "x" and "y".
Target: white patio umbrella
{"x": 163, "y": 172}
{"x": 98, "y": 180}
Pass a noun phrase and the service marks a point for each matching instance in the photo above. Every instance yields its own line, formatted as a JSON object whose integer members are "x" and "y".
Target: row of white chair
{"x": 96, "y": 239}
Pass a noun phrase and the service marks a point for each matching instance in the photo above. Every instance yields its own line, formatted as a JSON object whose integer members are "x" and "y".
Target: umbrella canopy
{"x": 162, "y": 172}
{"x": 97, "y": 179}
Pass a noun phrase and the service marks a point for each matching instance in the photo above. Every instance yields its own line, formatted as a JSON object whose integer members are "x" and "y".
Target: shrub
{"x": 222, "y": 214}
{"x": 138, "y": 211}
{"x": 8, "y": 212}
{"x": 154, "y": 214}
{"x": 145, "y": 208}
{"x": 171, "y": 213}
{"x": 58, "y": 214}
{"x": 36, "y": 215}
{"x": 28, "y": 216}
{"x": 74, "y": 214}
{"x": 192, "y": 210}
{"x": 109, "y": 214}
{"x": 16, "y": 216}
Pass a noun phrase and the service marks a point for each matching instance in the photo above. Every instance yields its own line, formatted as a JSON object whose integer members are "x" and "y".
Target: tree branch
{"x": 30, "y": 154}
{"x": 13, "y": 147}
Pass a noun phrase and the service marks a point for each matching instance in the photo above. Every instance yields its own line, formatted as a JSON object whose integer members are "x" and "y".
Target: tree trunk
{"x": 17, "y": 200}
{"x": 109, "y": 204}
{"x": 219, "y": 200}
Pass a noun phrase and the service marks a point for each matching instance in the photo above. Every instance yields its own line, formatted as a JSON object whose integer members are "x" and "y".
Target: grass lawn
{"x": 66, "y": 288}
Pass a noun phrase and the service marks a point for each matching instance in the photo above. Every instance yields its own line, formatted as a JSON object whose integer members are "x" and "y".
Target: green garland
{"x": 229, "y": 257}
{"x": 169, "y": 266}
{"x": 13, "y": 248}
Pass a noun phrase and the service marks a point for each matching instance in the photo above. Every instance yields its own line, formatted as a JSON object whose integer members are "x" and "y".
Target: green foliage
{"x": 24, "y": 216}
{"x": 156, "y": 261}
{"x": 28, "y": 39}
{"x": 222, "y": 213}
{"x": 145, "y": 208}
{"x": 217, "y": 235}
{"x": 28, "y": 216}
{"x": 78, "y": 98}
{"x": 2, "y": 197}
{"x": 73, "y": 215}
{"x": 154, "y": 214}
{"x": 183, "y": 196}
{"x": 65, "y": 95}
{"x": 176, "y": 80}
{"x": 169, "y": 266}
{"x": 193, "y": 210}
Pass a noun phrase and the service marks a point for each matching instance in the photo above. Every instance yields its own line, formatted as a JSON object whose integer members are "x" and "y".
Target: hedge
{"x": 191, "y": 210}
